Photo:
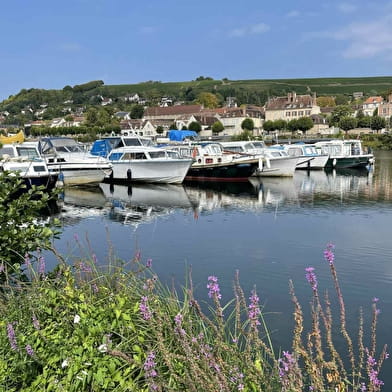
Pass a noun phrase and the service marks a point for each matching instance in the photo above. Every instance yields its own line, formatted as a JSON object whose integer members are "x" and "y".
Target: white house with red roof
{"x": 371, "y": 104}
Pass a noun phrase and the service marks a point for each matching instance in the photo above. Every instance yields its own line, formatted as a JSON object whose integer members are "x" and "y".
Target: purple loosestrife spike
{"x": 311, "y": 277}
{"x": 213, "y": 286}
{"x": 375, "y": 300}
{"x": 328, "y": 253}
{"x": 27, "y": 259}
{"x": 41, "y": 266}
{"x": 29, "y": 350}
{"x": 149, "y": 263}
{"x": 144, "y": 309}
{"x": 11, "y": 336}
{"x": 254, "y": 309}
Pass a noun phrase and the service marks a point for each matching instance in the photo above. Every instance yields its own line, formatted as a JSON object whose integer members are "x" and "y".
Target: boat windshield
{"x": 66, "y": 145}
{"x": 294, "y": 151}
{"x": 29, "y": 152}
{"x": 157, "y": 154}
{"x": 7, "y": 151}
{"x": 259, "y": 144}
{"x": 136, "y": 141}
{"x": 332, "y": 149}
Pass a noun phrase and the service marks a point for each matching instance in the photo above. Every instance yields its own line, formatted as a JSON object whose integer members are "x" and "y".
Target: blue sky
{"x": 51, "y": 44}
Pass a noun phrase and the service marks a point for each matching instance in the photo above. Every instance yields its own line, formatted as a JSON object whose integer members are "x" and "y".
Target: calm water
{"x": 270, "y": 230}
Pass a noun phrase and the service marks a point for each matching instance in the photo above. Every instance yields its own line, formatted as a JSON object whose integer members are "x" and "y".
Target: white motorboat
{"x": 148, "y": 164}
{"x": 273, "y": 163}
{"x": 74, "y": 165}
{"x": 308, "y": 156}
{"x": 25, "y": 159}
{"x": 345, "y": 154}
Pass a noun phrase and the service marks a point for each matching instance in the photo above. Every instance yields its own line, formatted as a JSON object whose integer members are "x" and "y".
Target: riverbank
{"x": 82, "y": 327}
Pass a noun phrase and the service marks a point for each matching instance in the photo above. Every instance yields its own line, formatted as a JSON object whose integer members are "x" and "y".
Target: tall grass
{"x": 83, "y": 327}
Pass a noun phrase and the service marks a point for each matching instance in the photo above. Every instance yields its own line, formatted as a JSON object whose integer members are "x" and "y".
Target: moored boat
{"x": 211, "y": 163}
{"x": 74, "y": 165}
{"x": 147, "y": 164}
{"x": 272, "y": 163}
{"x": 345, "y": 153}
{"x": 25, "y": 159}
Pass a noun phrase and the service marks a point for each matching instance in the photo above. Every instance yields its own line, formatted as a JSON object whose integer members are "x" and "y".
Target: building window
{"x": 301, "y": 113}
{"x": 307, "y": 112}
{"x": 287, "y": 114}
{"x": 294, "y": 114}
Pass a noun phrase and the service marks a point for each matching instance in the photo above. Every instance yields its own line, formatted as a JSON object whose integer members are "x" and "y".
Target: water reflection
{"x": 144, "y": 202}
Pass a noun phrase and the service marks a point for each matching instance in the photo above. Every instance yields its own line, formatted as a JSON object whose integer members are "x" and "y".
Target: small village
{"x": 278, "y": 117}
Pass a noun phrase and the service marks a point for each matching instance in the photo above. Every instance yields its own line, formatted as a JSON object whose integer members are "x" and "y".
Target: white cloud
{"x": 347, "y": 8}
{"x": 363, "y": 39}
{"x": 368, "y": 39}
{"x": 259, "y": 28}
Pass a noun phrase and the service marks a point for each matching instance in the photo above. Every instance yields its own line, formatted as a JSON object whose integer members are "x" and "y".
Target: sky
{"x": 50, "y": 44}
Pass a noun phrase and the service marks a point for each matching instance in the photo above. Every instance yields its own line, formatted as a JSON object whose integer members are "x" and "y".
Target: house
{"x": 385, "y": 108}
{"x": 291, "y": 107}
{"x": 58, "y": 122}
{"x": 171, "y": 112}
{"x": 106, "y": 101}
{"x": 357, "y": 94}
{"x": 123, "y": 115}
{"x": 371, "y": 104}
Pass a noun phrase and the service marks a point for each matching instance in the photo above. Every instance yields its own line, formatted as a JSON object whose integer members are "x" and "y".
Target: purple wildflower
{"x": 94, "y": 257}
{"x": 138, "y": 256}
{"x": 2, "y": 267}
{"x": 178, "y": 321}
{"x": 35, "y": 322}
{"x": 149, "y": 263}
{"x": 213, "y": 286}
{"x": 311, "y": 277}
{"x": 144, "y": 309}
{"x": 373, "y": 373}
{"x": 95, "y": 288}
{"x": 328, "y": 253}
{"x": 363, "y": 387}
{"x": 254, "y": 309}
{"x": 11, "y": 336}
{"x": 375, "y": 300}
{"x": 41, "y": 266}
{"x": 29, "y": 350}
{"x": 149, "y": 369}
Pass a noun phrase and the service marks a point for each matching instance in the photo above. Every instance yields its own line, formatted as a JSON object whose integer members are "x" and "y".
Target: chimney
{"x": 294, "y": 96}
{"x": 289, "y": 97}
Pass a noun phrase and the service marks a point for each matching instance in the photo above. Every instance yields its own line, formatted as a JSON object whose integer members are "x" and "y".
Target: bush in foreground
{"x": 80, "y": 328}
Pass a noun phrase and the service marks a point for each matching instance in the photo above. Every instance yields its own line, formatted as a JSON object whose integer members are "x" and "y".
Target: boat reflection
{"x": 145, "y": 202}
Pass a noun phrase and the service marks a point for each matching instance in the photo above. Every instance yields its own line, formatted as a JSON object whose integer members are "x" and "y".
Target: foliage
{"x": 217, "y": 127}
{"x": 91, "y": 328}
{"x": 247, "y": 124}
{"x": 208, "y": 100}
{"x": 159, "y": 130}
{"x": 326, "y": 101}
{"x": 347, "y": 122}
{"x": 244, "y": 135}
{"x": 21, "y": 231}
{"x": 137, "y": 111}
{"x": 364, "y": 122}
{"x": 304, "y": 124}
{"x": 378, "y": 123}
{"x": 342, "y": 99}
{"x": 339, "y": 112}
{"x": 195, "y": 126}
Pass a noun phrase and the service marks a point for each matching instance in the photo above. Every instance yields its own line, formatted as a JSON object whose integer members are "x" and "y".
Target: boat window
{"x": 310, "y": 150}
{"x": 39, "y": 168}
{"x": 132, "y": 142}
{"x": 133, "y": 155}
{"x": 248, "y": 146}
{"x": 259, "y": 144}
{"x": 27, "y": 152}
{"x": 172, "y": 154}
{"x": 157, "y": 154}
{"x": 115, "y": 156}
{"x": 233, "y": 148}
{"x": 294, "y": 152}
{"x": 7, "y": 151}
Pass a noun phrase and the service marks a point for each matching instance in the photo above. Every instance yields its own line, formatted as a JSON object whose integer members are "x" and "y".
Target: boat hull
{"x": 72, "y": 174}
{"x": 165, "y": 171}
{"x": 232, "y": 172}
{"x": 278, "y": 167}
{"x": 345, "y": 162}
{"x": 317, "y": 162}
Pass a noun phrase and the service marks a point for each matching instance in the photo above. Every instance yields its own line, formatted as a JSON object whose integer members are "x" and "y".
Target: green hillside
{"x": 246, "y": 91}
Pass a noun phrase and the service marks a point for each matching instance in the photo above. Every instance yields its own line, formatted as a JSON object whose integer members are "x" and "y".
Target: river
{"x": 268, "y": 229}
